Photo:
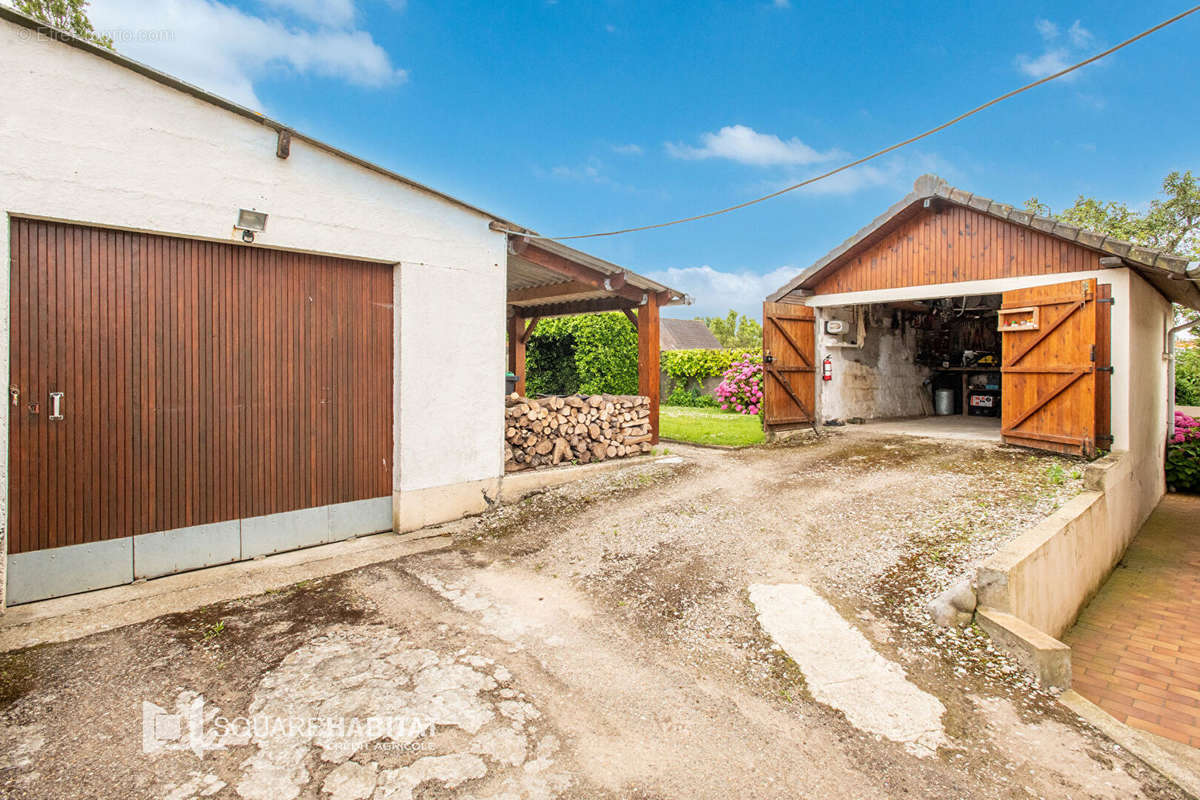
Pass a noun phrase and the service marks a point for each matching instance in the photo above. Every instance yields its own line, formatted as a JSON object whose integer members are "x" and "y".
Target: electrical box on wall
{"x": 842, "y": 327}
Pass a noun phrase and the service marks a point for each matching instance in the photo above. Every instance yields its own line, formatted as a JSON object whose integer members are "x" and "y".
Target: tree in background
{"x": 66, "y": 15}
{"x": 734, "y": 330}
{"x": 1187, "y": 377}
{"x": 1170, "y": 223}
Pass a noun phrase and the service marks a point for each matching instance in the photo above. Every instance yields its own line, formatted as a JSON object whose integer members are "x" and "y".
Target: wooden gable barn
{"x": 953, "y": 306}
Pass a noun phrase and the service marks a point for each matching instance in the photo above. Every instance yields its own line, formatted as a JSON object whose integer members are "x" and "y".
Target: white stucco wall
{"x": 1148, "y": 316}
{"x": 85, "y": 140}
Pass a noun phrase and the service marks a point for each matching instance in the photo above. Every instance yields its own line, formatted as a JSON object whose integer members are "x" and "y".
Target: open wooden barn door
{"x": 1055, "y": 384}
{"x": 789, "y": 372}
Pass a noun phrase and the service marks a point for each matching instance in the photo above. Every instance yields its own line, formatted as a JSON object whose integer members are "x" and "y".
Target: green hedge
{"x": 686, "y": 365}
{"x": 680, "y": 396}
{"x": 1187, "y": 377}
{"x": 590, "y": 353}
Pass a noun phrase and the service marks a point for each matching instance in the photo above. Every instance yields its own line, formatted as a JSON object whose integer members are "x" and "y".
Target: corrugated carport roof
{"x": 548, "y": 278}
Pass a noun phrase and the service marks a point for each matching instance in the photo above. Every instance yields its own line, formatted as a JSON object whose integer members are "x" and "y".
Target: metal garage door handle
{"x": 56, "y": 405}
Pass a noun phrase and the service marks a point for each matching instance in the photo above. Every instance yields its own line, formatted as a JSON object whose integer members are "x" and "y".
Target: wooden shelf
{"x": 1029, "y": 323}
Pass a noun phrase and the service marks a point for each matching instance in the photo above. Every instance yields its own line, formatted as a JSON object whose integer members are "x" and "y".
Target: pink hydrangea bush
{"x": 1183, "y": 455}
{"x": 741, "y": 388}
{"x": 1187, "y": 429}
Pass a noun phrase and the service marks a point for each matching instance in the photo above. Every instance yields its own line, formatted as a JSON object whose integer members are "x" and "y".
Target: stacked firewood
{"x": 576, "y": 429}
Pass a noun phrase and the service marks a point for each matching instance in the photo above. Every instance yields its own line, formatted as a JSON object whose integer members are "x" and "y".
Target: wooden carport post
{"x": 518, "y": 337}
{"x": 516, "y": 350}
{"x": 648, "y": 358}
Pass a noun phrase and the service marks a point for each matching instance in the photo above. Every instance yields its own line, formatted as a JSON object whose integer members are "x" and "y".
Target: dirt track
{"x": 597, "y": 641}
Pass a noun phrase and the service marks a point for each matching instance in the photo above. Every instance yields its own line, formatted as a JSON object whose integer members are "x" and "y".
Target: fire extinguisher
{"x": 827, "y": 369}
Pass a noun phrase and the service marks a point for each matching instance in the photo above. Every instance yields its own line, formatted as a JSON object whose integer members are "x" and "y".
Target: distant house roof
{"x": 686, "y": 334}
{"x": 1171, "y": 274}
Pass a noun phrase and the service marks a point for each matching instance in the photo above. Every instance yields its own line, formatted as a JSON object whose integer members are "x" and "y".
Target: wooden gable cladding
{"x": 949, "y": 243}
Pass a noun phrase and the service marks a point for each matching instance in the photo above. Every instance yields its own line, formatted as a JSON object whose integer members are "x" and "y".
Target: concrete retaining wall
{"x": 1044, "y": 578}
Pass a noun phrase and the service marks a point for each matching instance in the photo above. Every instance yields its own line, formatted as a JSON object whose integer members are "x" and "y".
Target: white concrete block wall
{"x": 451, "y": 328}
{"x": 1149, "y": 317}
{"x": 89, "y": 141}
{"x": 878, "y": 381}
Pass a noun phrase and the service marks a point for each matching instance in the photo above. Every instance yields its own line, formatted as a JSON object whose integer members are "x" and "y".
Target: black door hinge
{"x": 1109, "y": 370}
{"x": 1110, "y": 300}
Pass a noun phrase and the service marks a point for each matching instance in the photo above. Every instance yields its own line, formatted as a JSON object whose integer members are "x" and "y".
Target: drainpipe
{"x": 1171, "y": 373}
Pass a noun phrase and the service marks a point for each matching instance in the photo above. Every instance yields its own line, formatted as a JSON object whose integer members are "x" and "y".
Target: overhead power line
{"x": 878, "y": 153}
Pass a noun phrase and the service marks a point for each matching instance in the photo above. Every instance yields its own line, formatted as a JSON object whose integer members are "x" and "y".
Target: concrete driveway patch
{"x": 843, "y": 670}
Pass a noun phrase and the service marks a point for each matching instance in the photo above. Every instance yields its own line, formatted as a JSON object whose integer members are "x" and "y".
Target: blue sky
{"x": 572, "y": 116}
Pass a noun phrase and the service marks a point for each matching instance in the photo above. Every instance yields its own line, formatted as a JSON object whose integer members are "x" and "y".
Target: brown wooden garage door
{"x": 199, "y": 382}
{"x": 1055, "y": 391}
{"x": 789, "y": 371}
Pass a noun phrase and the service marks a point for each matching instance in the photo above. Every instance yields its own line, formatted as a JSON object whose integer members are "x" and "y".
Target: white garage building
{"x": 226, "y": 339}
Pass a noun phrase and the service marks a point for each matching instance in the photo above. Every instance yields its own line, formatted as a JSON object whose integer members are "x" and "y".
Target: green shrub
{"x": 550, "y": 360}
{"x": 684, "y": 397}
{"x": 1183, "y": 466}
{"x": 590, "y": 353}
{"x": 1187, "y": 377}
{"x": 597, "y": 354}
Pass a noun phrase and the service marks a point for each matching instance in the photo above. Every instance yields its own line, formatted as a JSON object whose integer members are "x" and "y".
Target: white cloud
{"x": 864, "y": 176}
{"x": 331, "y": 13}
{"x": 628, "y": 149}
{"x": 1046, "y": 28}
{"x": 591, "y": 171}
{"x": 1079, "y": 35}
{"x": 224, "y": 50}
{"x": 747, "y": 146}
{"x": 1048, "y": 63}
{"x": 716, "y": 292}
{"x": 583, "y": 172}
{"x": 1058, "y": 52}
{"x": 896, "y": 172}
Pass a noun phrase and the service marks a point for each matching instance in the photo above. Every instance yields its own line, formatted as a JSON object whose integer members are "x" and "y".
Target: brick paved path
{"x": 1135, "y": 650}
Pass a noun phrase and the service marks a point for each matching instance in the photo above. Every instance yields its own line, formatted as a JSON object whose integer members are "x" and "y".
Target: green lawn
{"x": 709, "y": 426}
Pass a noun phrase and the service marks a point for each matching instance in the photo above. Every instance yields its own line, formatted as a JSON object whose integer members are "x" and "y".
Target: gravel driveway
{"x": 595, "y": 641}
